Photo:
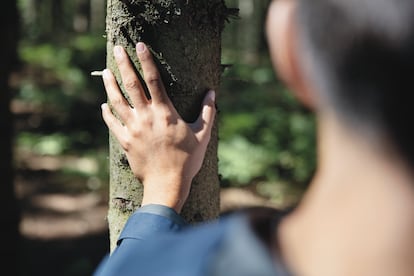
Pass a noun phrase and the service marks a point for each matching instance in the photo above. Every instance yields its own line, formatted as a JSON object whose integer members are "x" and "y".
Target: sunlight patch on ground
{"x": 65, "y": 216}
{"x": 65, "y": 203}
{"x": 86, "y": 165}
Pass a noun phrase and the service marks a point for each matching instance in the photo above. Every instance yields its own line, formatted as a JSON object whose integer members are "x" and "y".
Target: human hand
{"x": 163, "y": 151}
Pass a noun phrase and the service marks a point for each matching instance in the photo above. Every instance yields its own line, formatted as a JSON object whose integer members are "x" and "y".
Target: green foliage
{"x": 242, "y": 161}
{"x": 57, "y": 76}
{"x": 53, "y": 144}
{"x": 282, "y": 193}
{"x": 265, "y": 134}
{"x": 63, "y": 103}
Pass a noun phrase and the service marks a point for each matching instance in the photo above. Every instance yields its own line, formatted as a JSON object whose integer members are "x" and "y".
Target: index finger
{"x": 152, "y": 76}
{"x": 129, "y": 77}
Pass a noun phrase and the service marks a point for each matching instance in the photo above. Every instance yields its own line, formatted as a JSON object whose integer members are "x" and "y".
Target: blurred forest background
{"x": 266, "y": 146}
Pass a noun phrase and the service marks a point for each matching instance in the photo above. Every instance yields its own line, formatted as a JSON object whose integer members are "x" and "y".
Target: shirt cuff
{"x": 161, "y": 210}
{"x": 150, "y": 220}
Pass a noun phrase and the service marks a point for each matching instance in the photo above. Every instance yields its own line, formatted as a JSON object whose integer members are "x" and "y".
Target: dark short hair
{"x": 360, "y": 56}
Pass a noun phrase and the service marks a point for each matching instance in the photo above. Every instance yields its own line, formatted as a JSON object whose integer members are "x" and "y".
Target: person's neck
{"x": 357, "y": 218}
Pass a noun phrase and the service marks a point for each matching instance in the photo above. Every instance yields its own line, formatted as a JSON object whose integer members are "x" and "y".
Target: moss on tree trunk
{"x": 185, "y": 39}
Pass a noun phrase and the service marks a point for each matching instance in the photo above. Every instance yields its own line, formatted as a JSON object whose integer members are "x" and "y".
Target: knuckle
{"x": 152, "y": 78}
{"x": 125, "y": 115}
{"x": 135, "y": 133}
{"x": 131, "y": 84}
{"x": 126, "y": 145}
{"x": 166, "y": 117}
{"x": 116, "y": 101}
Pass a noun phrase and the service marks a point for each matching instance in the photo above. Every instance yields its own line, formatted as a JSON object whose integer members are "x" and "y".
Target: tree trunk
{"x": 81, "y": 17}
{"x": 185, "y": 38}
{"x": 8, "y": 203}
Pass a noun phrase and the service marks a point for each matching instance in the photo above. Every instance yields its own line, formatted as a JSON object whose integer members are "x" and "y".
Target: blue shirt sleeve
{"x": 151, "y": 220}
{"x": 146, "y": 222}
{"x": 156, "y": 242}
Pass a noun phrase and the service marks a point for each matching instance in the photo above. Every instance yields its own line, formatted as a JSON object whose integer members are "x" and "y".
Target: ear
{"x": 282, "y": 36}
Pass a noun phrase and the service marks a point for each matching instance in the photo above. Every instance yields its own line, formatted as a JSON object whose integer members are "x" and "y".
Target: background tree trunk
{"x": 8, "y": 203}
{"x": 185, "y": 38}
{"x": 248, "y": 33}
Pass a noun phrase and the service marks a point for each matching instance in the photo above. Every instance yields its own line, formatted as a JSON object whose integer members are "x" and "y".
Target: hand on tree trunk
{"x": 163, "y": 151}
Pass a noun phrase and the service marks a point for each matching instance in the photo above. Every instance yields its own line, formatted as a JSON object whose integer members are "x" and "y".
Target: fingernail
{"x": 140, "y": 47}
{"x": 105, "y": 73}
{"x": 118, "y": 51}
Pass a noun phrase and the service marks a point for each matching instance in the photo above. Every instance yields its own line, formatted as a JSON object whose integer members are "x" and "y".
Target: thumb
{"x": 202, "y": 127}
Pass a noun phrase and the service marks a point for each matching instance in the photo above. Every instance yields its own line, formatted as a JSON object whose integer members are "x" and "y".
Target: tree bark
{"x": 185, "y": 39}
{"x": 11, "y": 215}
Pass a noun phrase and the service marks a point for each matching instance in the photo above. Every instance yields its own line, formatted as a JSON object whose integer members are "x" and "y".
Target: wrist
{"x": 169, "y": 192}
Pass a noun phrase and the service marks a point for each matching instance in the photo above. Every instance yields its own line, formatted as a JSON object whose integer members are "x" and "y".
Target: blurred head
{"x": 351, "y": 58}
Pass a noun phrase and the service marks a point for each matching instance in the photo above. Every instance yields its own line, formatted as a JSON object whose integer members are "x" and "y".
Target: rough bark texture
{"x": 185, "y": 38}
{"x": 11, "y": 216}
